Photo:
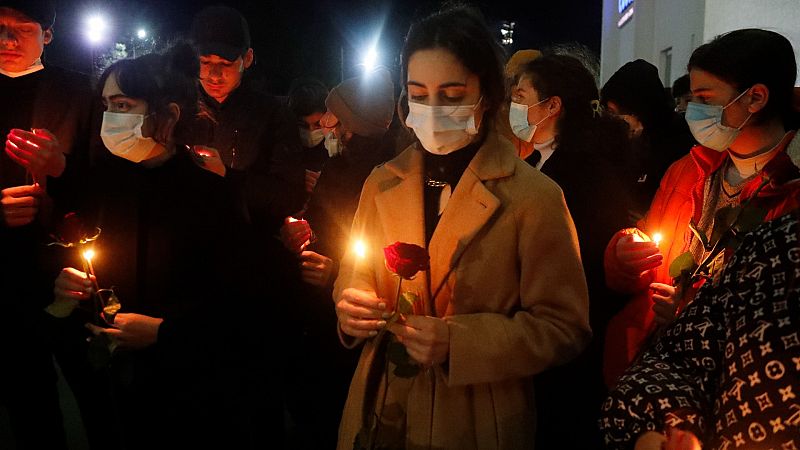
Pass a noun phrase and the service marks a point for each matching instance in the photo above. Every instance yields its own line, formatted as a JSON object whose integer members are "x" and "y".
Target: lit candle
{"x": 88, "y": 255}
{"x": 360, "y": 249}
{"x": 657, "y": 238}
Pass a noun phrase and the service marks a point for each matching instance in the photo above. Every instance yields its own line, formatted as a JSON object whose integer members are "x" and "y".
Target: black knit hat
{"x": 364, "y": 104}
{"x": 41, "y": 11}
{"x": 222, "y": 31}
{"x": 637, "y": 89}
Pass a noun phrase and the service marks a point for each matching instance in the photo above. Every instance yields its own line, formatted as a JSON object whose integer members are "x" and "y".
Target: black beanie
{"x": 637, "y": 89}
{"x": 364, "y": 104}
{"x": 41, "y": 11}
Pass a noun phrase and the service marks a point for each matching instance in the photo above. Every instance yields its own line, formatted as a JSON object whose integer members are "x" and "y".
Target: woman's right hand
{"x": 71, "y": 287}
{"x": 636, "y": 256}
{"x": 361, "y": 313}
{"x": 72, "y": 284}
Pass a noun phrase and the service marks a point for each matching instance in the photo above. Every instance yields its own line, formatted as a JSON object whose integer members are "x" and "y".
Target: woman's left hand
{"x": 427, "y": 339}
{"x": 132, "y": 331}
{"x": 665, "y": 303}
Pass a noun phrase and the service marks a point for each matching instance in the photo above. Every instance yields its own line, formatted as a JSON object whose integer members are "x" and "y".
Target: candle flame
{"x": 657, "y": 238}
{"x": 360, "y": 248}
{"x": 88, "y": 254}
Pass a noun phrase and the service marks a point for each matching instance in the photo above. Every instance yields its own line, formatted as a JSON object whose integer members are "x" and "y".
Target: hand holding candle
{"x": 37, "y": 150}
{"x": 87, "y": 256}
{"x": 657, "y": 238}
{"x": 296, "y": 234}
{"x": 637, "y": 255}
{"x": 71, "y": 287}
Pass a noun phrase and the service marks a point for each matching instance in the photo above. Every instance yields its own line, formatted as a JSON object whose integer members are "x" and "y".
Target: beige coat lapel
{"x": 403, "y": 220}
{"x": 468, "y": 211}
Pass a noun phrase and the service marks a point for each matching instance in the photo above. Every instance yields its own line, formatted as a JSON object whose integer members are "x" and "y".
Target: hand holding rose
{"x": 427, "y": 339}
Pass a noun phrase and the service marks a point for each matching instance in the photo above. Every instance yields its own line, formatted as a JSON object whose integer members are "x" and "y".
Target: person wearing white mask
{"x": 45, "y": 125}
{"x": 306, "y": 102}
{"x": 505, "y": 296}
{"x": 741, "y": 115}
{"x": 174, "y": 247}
{"x": 554, "y": 105}
{"x": 357, "y": 122}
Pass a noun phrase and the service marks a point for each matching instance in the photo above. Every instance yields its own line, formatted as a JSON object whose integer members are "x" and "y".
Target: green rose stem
{"x": 395, "y": 316}
{"x": 682, "y": 282}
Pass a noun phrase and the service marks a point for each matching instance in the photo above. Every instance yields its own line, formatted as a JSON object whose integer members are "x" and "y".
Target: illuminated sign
{"x": 622, "y": 5}
{"x": 625, "y": 17}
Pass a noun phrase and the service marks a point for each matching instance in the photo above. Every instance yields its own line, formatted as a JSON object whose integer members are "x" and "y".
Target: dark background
{"x": 308, "y": 38}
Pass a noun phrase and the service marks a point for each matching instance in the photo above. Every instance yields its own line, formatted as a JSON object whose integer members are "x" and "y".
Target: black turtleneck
{"x": 447, "y": 169}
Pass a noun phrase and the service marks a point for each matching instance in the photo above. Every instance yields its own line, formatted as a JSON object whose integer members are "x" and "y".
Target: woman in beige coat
{"x": 505, "y": 297}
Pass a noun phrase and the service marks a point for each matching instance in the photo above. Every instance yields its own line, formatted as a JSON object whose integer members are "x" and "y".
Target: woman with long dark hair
{"x": 173, "y": 247}
{"x": 555, "y": 106}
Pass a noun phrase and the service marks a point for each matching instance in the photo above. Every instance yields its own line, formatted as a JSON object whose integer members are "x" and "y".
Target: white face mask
{"x": 333, "y": 144}
{"x": 311, "y": 139}
{"x": 518, "y": 118}
{"x": 705, "y": 123}
{"x": 443, "y": 129}
{"x": 35, "y": 67}
{"x": 122, "y": 136}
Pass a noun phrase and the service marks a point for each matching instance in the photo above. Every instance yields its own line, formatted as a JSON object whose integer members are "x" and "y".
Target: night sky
{"x": 306, "y": 38}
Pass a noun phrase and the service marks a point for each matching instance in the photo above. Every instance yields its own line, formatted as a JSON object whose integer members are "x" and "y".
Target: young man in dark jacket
{"x": 254, "y": 134}
{"x": 45, "y": 122}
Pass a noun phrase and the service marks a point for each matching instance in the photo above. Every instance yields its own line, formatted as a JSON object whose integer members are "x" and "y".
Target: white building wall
{"x": 782, "y": 16}
{"x": 655, "y": 26}
{"x": 679, "y": 26}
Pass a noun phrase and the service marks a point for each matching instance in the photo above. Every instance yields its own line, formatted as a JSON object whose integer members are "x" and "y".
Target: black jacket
{"x": 569, "y": 396}
{"x": 59, "y": 101}
{"x": 259, "y": 144}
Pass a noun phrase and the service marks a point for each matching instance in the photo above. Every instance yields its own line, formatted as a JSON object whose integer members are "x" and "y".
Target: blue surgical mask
{"x": 705, "y": 123}
{"x": 518, "y": 119}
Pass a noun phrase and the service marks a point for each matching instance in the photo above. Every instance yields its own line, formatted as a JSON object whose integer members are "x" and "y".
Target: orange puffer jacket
{"x": 678, "y": 200}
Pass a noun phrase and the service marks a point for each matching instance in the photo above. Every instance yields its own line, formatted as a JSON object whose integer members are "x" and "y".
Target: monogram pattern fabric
{"x": 728, "y": 368}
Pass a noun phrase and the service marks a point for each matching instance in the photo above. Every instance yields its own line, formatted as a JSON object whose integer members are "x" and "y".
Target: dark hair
{"x": 462, "y": 31}
{"x": 307, "y": 96}
{"x": 743, "y": 58}
{"x": 637, "y": 89}
{"x": 161, "y": 79}
{"x": 580, "y": 127}
{"x": 681, "y": 86}
{"x": 582, "y": 53}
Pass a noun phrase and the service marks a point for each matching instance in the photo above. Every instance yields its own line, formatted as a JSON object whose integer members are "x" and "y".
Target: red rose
{"x": 406, "y": 259}
{"x": 71, "y": 229}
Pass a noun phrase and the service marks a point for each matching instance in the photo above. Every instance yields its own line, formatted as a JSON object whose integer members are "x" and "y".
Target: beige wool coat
{"x": 515, "y": 300}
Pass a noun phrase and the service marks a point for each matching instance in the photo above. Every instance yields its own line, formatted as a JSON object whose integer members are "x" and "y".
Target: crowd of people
{"x": 210, "y": 265}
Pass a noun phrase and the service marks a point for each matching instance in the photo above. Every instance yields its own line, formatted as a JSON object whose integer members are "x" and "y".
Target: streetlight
{"x": 370, "y": 59}
{"x": 141, "y": 33}
{"x": 96, "y": 26}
